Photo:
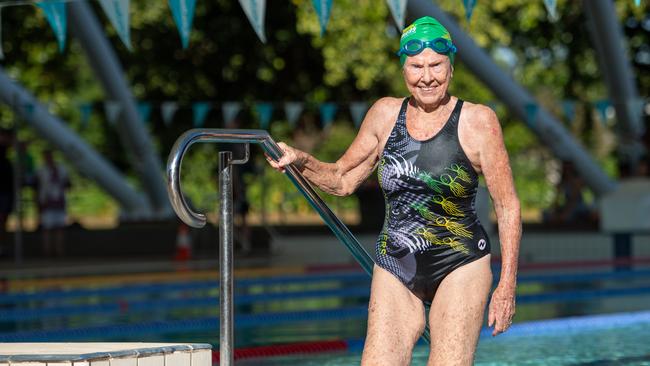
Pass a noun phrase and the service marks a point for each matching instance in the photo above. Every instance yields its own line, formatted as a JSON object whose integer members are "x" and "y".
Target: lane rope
{"x": 266, "y": 319}
{"x": 361, "y": 277}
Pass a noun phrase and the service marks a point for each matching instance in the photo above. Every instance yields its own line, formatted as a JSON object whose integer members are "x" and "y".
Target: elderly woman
{"x": 430, "y": 149}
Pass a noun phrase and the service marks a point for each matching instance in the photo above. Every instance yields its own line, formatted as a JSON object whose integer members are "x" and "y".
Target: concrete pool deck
{"x": 105, "y": 354}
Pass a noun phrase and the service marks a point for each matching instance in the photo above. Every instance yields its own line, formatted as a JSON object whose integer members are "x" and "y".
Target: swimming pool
{"x": 288, "y": 307}
{"x": 615, "y": 339}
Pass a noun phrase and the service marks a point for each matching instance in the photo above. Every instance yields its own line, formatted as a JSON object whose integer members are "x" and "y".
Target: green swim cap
{"x": 424, "y": 29}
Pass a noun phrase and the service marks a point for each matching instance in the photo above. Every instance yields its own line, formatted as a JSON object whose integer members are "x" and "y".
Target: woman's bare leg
{"x": 396, "y": 320}
{"x": 456, "y": 313}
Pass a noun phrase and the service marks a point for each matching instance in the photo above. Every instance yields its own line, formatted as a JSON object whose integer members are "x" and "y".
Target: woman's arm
{"x": 346, "y": 174}
{"x": 495, "y": 166}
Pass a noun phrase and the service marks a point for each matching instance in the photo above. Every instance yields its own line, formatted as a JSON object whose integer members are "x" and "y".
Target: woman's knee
{"x": 396, "y": 320}
{"x": 394, "y": 323}
{"x": 390, "y": 348}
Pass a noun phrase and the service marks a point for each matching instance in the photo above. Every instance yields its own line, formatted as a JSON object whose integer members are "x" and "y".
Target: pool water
{"x": 628, "y": 345}
{"x": 572, "y": 342}
{"x": 287, "y": 309}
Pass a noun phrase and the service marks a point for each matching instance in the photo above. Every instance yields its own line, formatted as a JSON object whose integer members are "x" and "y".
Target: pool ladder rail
{"x": 198, "y": 220}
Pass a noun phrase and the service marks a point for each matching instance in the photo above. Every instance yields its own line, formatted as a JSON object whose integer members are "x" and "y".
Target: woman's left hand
{"x": 502, "y": 308}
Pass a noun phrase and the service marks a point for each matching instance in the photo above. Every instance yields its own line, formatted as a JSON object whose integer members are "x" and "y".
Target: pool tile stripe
{"x": 287, "y": 349}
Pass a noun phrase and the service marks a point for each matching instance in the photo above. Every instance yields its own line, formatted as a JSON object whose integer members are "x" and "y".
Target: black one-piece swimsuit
{"x": 430, "y": 227}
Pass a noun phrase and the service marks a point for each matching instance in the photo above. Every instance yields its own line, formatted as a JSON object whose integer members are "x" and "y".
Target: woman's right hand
{"x": 289, "y": 156}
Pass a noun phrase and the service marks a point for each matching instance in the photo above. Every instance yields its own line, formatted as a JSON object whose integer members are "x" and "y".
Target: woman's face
{"x": 427, "y": 76}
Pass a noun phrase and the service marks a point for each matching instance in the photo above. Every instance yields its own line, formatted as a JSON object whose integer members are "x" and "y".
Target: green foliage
{"x": 529, "y": 165}
{"x": 87, "y": 199}
{"x": 199, "y": 177}
{"x": 359, "y": 43}
{"x": 277, "y": 189}
{"x": 354, "y": 60}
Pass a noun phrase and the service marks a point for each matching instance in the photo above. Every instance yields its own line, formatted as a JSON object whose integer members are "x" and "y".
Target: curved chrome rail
{"x": 175, "y": 161}
{"x": 263, "y": 139}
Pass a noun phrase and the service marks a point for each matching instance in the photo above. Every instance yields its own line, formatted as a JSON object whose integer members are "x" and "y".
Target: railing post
{"x": 226, "y": 337}
{"x": 226, "y": 312}
{"x": 198, "y": 220}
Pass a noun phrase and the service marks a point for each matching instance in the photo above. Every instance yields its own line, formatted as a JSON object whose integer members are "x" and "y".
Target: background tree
{"x": 353, "y": 60}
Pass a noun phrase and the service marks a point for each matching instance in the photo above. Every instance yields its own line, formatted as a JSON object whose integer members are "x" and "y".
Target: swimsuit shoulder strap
{"x": 397, "y": 133}
{"x": 455, "y": 114}
{"x": 401, "y": 117}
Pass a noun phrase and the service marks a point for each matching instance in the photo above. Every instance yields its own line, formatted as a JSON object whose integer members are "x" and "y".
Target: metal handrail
{"x": 198, "y": 220}
{"x": 263, "y": 139}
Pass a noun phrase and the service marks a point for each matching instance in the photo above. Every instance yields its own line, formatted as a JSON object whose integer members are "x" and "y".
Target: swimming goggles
{"x": 415, "y": 46}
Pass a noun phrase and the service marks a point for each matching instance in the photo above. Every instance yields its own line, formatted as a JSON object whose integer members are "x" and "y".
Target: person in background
{"x": 51, "y": 183}
{"x": 6, "y": 186}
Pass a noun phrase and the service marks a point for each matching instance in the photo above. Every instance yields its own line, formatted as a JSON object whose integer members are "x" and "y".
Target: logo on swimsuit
{"x": 481, "y": 244}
